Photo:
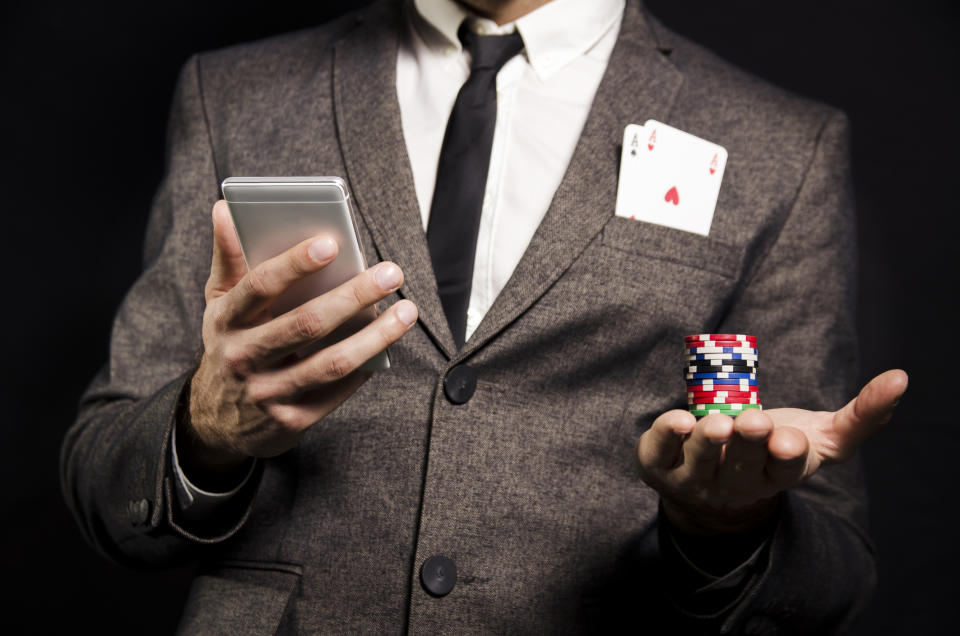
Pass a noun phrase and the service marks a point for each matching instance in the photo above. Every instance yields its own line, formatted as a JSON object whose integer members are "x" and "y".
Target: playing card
{"x": 669, "y": 177}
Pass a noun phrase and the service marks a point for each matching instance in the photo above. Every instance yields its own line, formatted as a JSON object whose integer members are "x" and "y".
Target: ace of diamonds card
{"x": 669, "y": 177}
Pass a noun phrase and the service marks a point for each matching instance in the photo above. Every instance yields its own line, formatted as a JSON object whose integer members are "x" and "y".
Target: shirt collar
{"x": 553, "y": 35}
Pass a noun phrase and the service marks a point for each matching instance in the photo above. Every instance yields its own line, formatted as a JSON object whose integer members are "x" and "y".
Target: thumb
{"x": 867, "y": 413}
{"x": 227, "y": 266}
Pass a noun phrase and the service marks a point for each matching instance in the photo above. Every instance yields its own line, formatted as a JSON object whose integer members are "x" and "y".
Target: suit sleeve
{"x": 817, "y": 570}
{"x": 116, "y": 472}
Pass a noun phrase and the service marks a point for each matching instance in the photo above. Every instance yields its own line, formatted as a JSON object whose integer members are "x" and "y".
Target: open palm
{"x": 721, "y": 474}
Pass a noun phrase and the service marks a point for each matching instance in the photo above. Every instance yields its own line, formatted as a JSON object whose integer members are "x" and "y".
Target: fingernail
{"x": 407, "y": 313}
{"x": 388, "y": 277}
{"x": 322, "y": 250}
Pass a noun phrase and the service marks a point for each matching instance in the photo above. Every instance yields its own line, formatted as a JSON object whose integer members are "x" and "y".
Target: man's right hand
{"x": 250, "y": 397}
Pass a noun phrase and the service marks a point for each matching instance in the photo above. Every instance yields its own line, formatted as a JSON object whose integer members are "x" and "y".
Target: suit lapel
{"x": 375, "y": 154}
{"x": 639, "y": 84}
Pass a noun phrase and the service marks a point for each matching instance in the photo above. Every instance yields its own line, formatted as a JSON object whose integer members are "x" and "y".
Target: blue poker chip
{"x": 722, "y": 356}
{"x": 696, "y": 350}
{"x": 721, "y": 375}
{"x": 720, "y": 382}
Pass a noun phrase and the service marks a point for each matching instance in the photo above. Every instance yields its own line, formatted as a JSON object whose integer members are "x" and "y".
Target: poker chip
{"x": 748, "y": 366}
{"x": 690, "y": 344}
{"x": 719, "y": 361}
{"x": 736, "y": 366}
{"x": 722, "y": 356}
{"x": 690, "y": 350}
{"x": 724, "y": 409}
{"x": 724, "y": 369}
{"x": 720, "y": 336}
{"x": 720, "y": 394}
{"x": 721, "y": 373}
{"x": 699, "y": 388}
{"x": 723, "y": 400}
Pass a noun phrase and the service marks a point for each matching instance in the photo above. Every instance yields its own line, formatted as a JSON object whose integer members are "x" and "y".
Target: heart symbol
{"x": 649, "y": 146}
{"x": 672, "y": 196}
{"x": 712, "y": 170}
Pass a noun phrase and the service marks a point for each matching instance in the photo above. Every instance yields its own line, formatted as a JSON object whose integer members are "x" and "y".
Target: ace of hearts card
{"x": 669, "y": 177}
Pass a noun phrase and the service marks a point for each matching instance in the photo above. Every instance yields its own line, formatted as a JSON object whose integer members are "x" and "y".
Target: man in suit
{"x": 492, "y": 480}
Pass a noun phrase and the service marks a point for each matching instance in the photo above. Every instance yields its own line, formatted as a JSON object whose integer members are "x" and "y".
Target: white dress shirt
{"x": 543, "y": 98}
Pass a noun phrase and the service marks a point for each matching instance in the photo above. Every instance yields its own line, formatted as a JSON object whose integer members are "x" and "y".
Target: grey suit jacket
{"x": 531, "y": 487}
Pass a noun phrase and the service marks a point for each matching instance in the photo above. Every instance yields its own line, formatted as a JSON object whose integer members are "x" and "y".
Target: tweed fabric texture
{"x": 532, "y": 485}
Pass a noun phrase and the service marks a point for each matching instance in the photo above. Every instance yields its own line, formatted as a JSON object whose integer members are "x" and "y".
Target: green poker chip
{"x": 727, "y": 409}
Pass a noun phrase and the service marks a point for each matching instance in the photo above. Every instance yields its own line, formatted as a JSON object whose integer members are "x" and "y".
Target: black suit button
{"x": 438, "y": 574}
{"x": 460, "y": 383}
{"x": 139, "y": 512}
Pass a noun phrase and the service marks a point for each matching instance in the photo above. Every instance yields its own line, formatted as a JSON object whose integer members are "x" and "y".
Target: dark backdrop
{"x": 86, "y": 87}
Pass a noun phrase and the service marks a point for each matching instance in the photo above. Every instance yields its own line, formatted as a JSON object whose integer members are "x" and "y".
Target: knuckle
{"x": 387, "y": 334}
{"x": 285, "y": 415}
{"x": 258, "y": 392}
{"x": 292, "y": 419}
{"x": 257, "y": 282}
{"x": 300, "y": 264}
{"x": 235, "y": 358}
{"x": 309, "y": 324}
{"x": 360, "y": 293}
{"x": 338, "y": 365}
{"x": 216, "y": 317}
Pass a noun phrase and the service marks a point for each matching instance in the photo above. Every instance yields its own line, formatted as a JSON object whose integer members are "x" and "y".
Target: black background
{"x": 86, "y": 88}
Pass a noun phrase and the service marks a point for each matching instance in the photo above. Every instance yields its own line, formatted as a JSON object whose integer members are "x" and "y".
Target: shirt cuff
{"x": 196, "y": 504}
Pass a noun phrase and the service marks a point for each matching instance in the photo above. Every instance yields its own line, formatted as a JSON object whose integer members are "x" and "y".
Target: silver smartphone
{"x": 272, "y": 214}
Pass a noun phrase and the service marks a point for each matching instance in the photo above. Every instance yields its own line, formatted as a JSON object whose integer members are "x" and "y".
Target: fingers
{"x": 227, "y": 266}
{"x": 319, "y": 317}
{"x": 659, "y": 447}
{"x": 337, "y": 361}
{"x": 702, "y": 452}
{"x": 787, "y": 463}
{"x": 746, "y": 454}
{"x": 308, "y": 409}
{"x": 760, "y": 459}
{"x": 865, "y": 414}
{"x": 261, "y": 286}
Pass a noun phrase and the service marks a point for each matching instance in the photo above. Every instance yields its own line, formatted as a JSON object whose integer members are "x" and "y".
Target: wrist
{"x": 709, "y": 521}
{"x": 210, "y": 466}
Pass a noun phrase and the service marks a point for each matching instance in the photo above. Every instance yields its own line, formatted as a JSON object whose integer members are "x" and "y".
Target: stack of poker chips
{"x": 721, "y": 373}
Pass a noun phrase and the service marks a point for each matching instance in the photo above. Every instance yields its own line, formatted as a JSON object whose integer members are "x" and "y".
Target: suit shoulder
{"x": 277, "y": 59}
{"x": 736, "y": 94}
{"x": 283, "y": 54}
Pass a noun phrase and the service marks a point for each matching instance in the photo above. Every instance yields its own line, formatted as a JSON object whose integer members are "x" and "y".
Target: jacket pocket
{"x": 239, "y": 597}
{"x": 675, "y": 246}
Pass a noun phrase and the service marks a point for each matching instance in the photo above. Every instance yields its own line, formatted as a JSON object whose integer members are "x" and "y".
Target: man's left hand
{"x": 719, "y": 475}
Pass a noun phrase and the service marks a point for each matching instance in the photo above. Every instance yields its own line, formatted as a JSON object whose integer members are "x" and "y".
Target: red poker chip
{"x": 700, "y": 388}
{"x": 724, "y": 400}
{"x": 719, "y": 336}
{"x": 721, "y": 393}
{"x": 696, "y": 344}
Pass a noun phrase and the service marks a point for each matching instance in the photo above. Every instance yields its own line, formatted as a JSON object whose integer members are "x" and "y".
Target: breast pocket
{"x": 647, "y": 241}
{"x": 667, "y": 279}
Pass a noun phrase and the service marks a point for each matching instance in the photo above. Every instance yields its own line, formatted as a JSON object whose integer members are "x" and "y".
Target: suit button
{"x": 438, "y": 574}
{"x": 139, "y": 512}
{"x": 460, "y": 383}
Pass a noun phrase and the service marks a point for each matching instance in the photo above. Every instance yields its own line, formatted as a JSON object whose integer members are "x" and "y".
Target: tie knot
{"x": 489, "y": 52}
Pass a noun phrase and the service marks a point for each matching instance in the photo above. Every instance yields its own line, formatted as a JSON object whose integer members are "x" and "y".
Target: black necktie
{"x": 462, "y": 174}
